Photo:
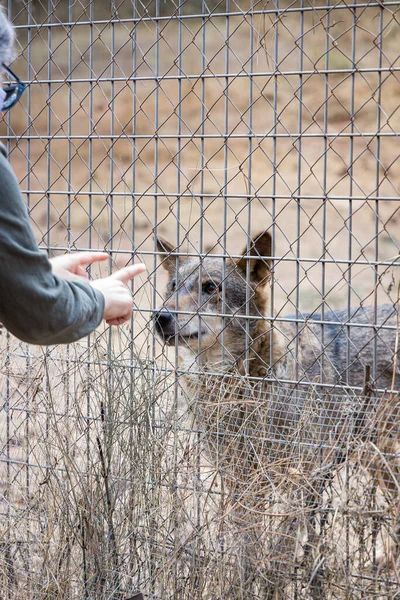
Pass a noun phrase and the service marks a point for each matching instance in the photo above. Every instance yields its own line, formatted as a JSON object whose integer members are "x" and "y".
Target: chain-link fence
{"x": 240, "y": 438}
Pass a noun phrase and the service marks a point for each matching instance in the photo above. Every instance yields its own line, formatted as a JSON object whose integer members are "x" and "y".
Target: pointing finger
{"x": 85, "y": 258}
{"x": 127, "y": 273}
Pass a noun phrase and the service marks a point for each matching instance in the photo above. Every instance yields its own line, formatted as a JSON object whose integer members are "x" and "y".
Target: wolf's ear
{"x": 259, "y": 266}
{"x": 168, "y": 262}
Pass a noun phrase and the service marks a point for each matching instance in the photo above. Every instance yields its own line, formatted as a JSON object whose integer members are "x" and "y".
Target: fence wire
{"x": 240, "y": 438}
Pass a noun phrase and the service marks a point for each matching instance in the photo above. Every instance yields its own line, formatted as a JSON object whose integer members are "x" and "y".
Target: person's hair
{"x": 7, "y": 39}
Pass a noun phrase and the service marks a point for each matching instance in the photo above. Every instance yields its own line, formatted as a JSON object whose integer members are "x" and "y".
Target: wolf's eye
{"x": 209, "y": 287}
{"x": 172, "y": 285}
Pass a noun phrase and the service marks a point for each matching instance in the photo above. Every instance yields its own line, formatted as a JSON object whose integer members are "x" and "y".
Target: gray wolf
{"x": 271, "y": 386}
{"x": 216, "y": 310}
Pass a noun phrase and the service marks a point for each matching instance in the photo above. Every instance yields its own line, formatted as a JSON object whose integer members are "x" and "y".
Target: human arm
{"x": 35, "y": 305}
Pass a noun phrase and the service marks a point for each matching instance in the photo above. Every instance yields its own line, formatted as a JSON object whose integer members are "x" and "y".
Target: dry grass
{"x": 106, "y": 488}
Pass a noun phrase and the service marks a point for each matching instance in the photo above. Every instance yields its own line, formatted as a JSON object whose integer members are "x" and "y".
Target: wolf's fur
{"x": 235, "y": 356}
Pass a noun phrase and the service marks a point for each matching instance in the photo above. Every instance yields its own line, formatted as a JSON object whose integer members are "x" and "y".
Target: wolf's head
{"x": 210, "y": 301}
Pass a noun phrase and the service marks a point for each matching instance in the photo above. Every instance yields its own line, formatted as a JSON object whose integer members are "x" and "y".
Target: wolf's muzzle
{"x": 165, "y": 323}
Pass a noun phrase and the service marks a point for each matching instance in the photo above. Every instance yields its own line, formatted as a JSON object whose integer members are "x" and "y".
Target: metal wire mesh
{"x": 240, "y": 438}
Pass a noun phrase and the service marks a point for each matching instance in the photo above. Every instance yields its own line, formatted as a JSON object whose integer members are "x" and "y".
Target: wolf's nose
{"x": 165, "y": 323}
{"x": 164, "y": 319}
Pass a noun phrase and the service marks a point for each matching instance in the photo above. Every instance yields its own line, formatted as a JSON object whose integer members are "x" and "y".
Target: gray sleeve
{"x": 36, "y": 306}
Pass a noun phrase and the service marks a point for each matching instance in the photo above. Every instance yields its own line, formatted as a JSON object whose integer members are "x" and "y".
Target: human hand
{"x": 72, "y": 266}
{"x": 118, "y": 304}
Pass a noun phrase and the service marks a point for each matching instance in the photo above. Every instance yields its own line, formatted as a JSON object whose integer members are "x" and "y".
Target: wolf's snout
{"x": 163, "y": 317}
{"x": 165, "y": 322}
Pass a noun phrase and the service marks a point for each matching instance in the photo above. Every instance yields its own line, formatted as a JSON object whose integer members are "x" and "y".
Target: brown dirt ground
{"x": 134, "y": 146}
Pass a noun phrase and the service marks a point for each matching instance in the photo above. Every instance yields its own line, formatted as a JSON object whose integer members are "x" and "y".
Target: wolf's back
{"x": 337, "y": 350}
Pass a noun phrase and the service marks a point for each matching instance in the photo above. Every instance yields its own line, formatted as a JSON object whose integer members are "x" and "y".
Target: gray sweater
{"x": 35, "y": 305}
